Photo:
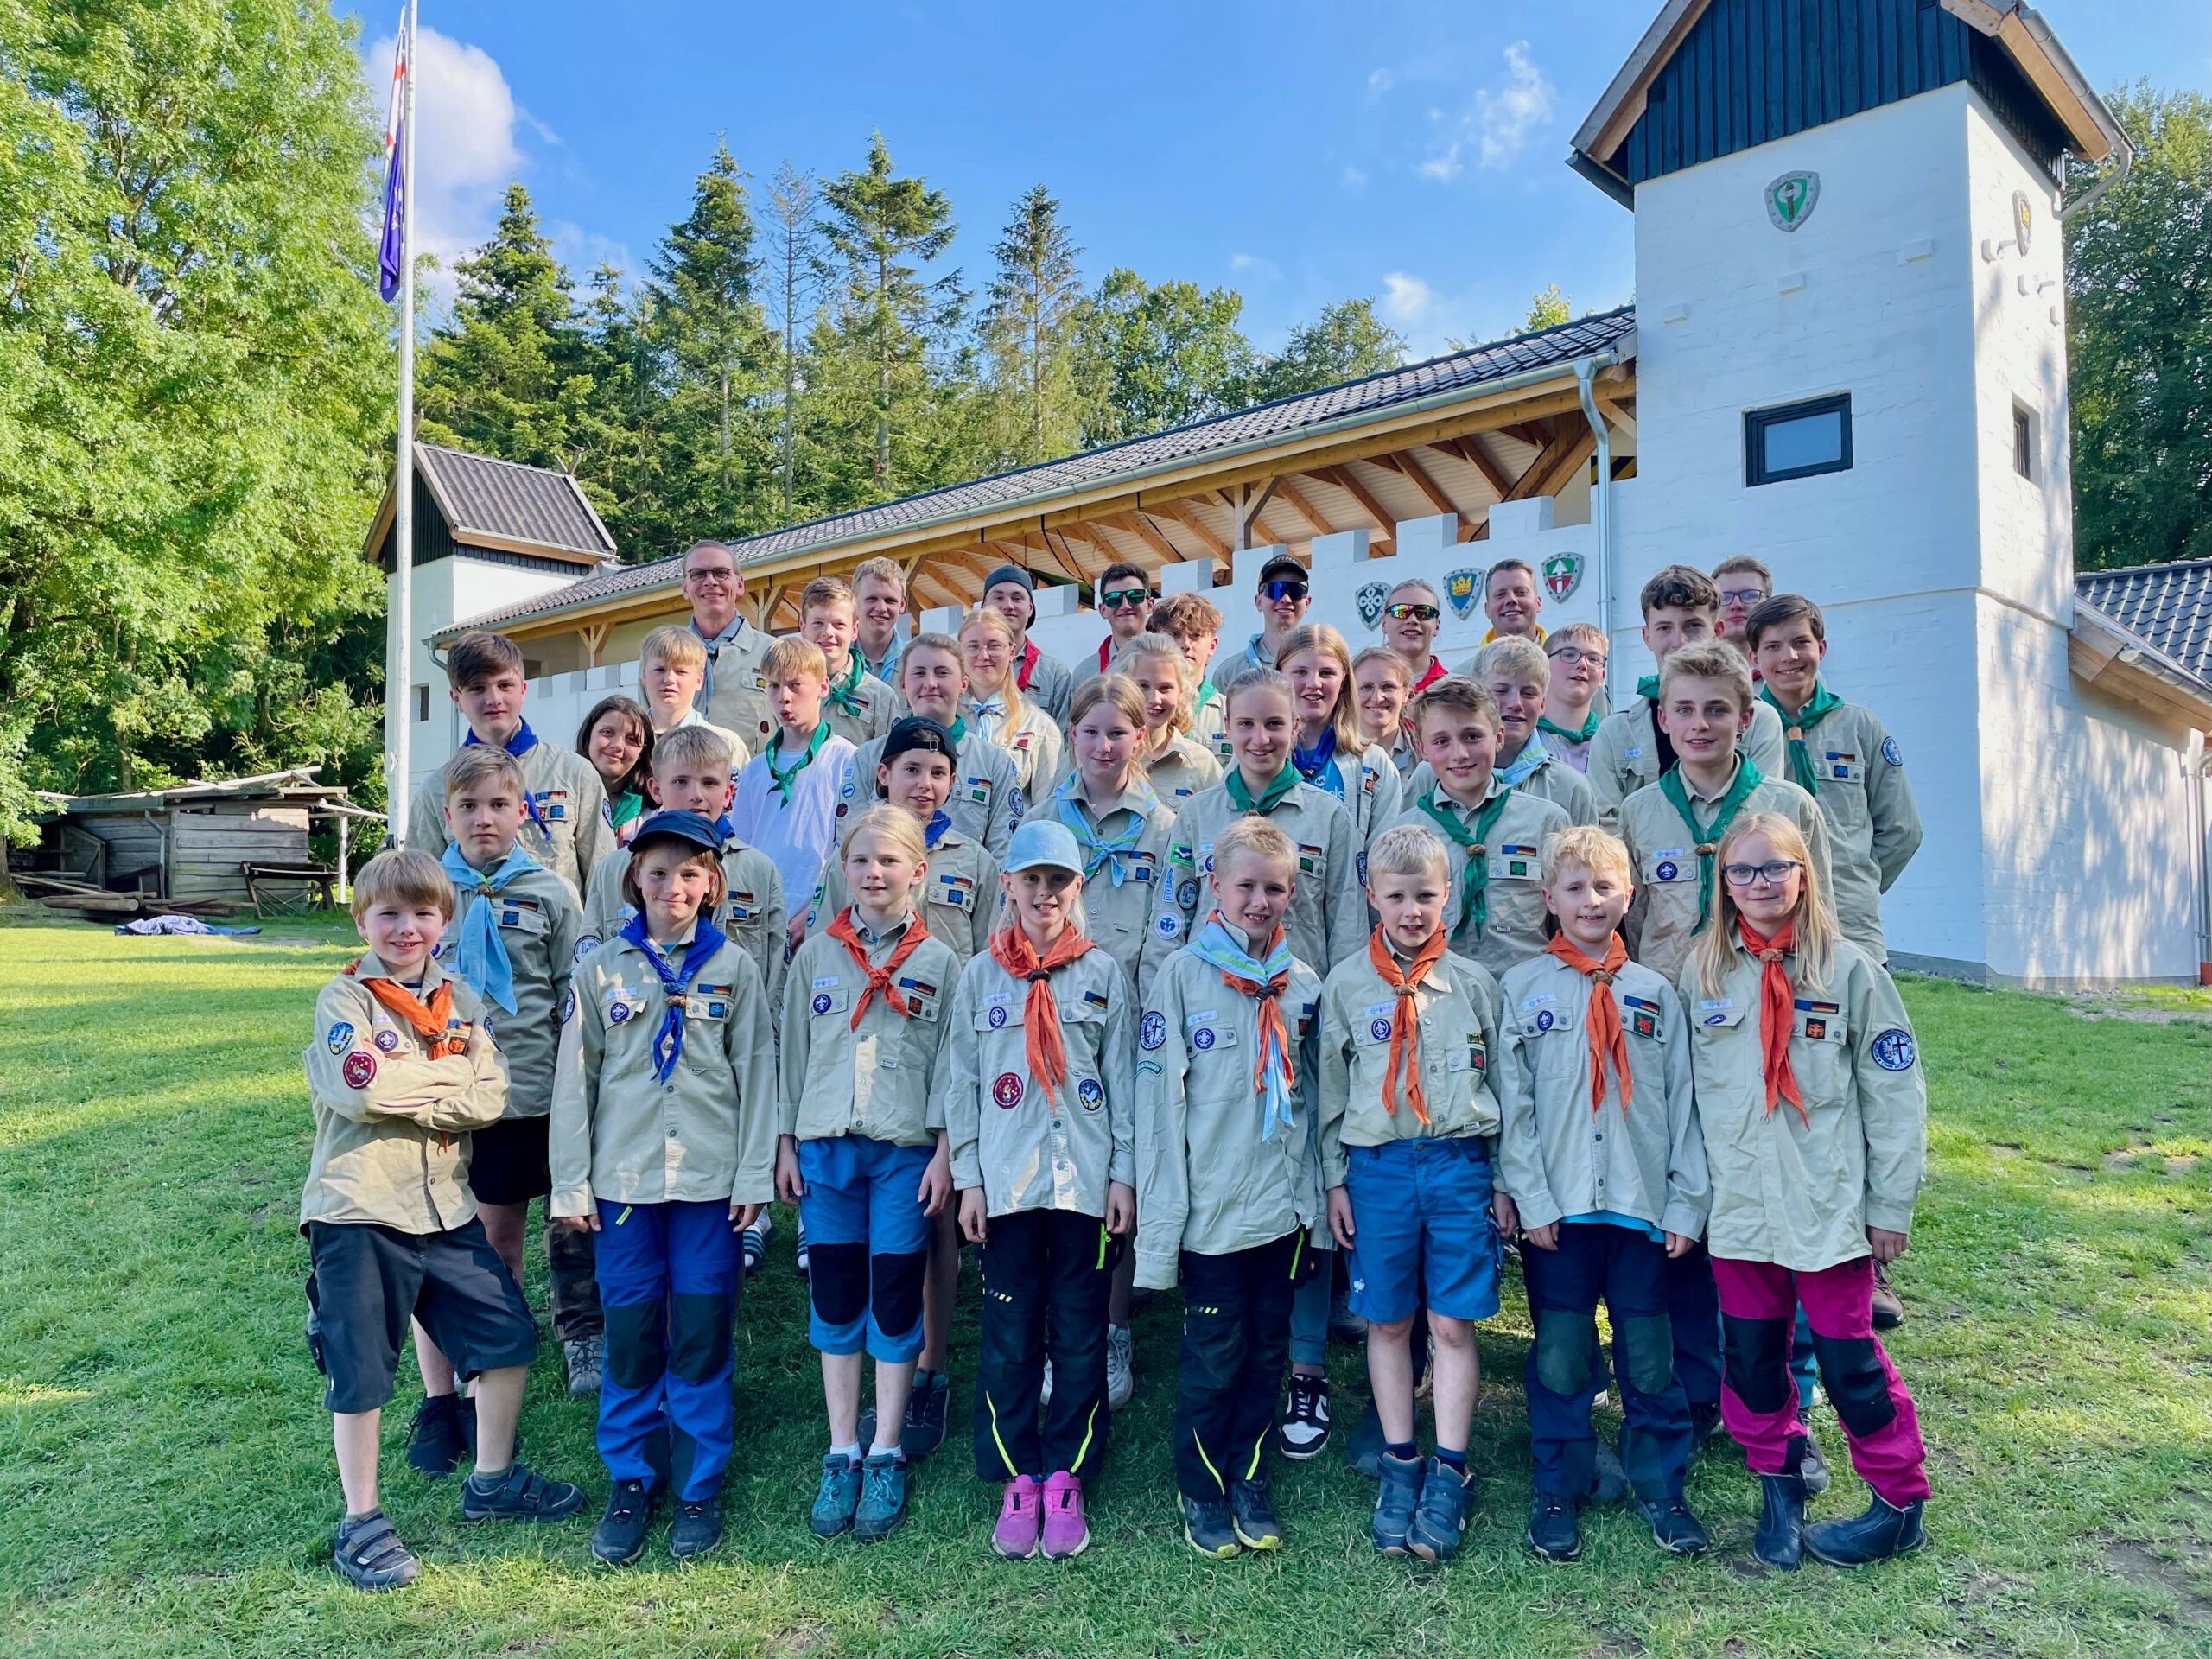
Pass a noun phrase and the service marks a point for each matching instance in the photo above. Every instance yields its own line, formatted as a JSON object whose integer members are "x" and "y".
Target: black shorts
{"x": 507, "y": 1162}
{"x": 364, "y": 1281}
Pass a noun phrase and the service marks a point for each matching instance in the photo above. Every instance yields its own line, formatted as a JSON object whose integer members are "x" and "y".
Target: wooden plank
{"x": 1418, "y": 476}
{"x": 1143, "y": 529}
{"x": 1190, "y": 520}
{"x": 1469, "y": 449}
{"x": 1347, "y": 481}
{"x": 1290, "y": 492}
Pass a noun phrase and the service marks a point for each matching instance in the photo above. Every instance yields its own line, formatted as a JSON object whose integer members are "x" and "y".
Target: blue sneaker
{"x": 882, "y": 1508}
{"x": 1396, "y": 1504}
{"x": 838, "y": 1498}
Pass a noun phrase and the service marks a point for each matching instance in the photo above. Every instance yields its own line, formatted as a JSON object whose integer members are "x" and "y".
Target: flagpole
{"x": 399, "y": 691}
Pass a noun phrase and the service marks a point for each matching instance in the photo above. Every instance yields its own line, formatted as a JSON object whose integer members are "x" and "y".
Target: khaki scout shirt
{"x": 391, "y": 1125}
{"x": 1873, "y": 826}
{"x": 540, "y": 923}
{"x": 959, "y": 894}
{"x": 752, "y": 912}
{"x": 1624, "y": 755}
{"x": 1555, "y": 1156}
{"x": 1513, "y": 929}
{"x": 1039, "y": 752}
{"x": 1119, "y": 917}
{"x": 1456, "y": 1002}
{"x": 1663, "y": 914}
{"x": 987, "y": 804}
{"x": 1206, "y": 1182}
{"x": 1553, "y": 780}
{"x": 571, "y": 798}
{"x": 1051, "y": 687}
{"x": 706, "y": 1136}
{"x": 881, "y": 707}
{"x": 1184, "y": 766}
{"x": 874, "y": 1080}
{"x": 1025, "y": 1151}
{"x": 1374, "y": 793}
{"x": 1327, "y": 919}
{"x": 1786, "y": 1190}
{"x": 1210, "y": 726}
{"x": 736, "y": 693}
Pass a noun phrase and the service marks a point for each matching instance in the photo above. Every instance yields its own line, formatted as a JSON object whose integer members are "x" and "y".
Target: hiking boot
{"x": 1889, "y": 1306}
{"x": 437, "y": 1440}
{"x": 1442, "y": 1514}
{"x": 1885, "y": 1530}
{"x": 1611, "y": 1484}
{"x": 1208, "y": 1528}
{"x": 1303, "y": 1433}
{"x": 1813, "y": 1470}
{"x": 1121, "y": 1373}
{"x": 586, "y": 1357}
{"x": 1396, "y": 1504}
{"x": 1252, "y": 1514}
{"x": 516, "y": 1494}
{"x": 1780, "y": 1540}
{"x": 882, "y": 1508}
{"x": 1064, "y": 1531}
{"x": 1016, "y": 1536}
{"x": 1554, "y": 1534}
{"x": 837, "y": 1499}
{"x": 697, "y": 1527}
{"x": 1674, "y": 1528}
{"x": 753, "y": 1245}
{"x": 620, "y": 1537}
{"x": 368, "y": 1554}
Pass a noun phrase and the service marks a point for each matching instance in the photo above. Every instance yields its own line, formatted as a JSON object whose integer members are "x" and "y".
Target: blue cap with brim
{"x": 1042, "y": 843}
{"x": 692, "y": 828}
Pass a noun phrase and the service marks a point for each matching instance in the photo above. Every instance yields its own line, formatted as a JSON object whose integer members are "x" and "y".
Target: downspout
{"x": 1601, "y": 494}
{"x": 2196, "y": 768}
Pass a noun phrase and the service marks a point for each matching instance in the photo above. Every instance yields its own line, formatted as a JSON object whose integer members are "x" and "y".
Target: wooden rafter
{"x": 1190, "y": 520}
{"x": 1418, "y": 476}
{"x": 1558, "y": 458}
{"x": 1469, "y": 449}
{"x": 1304, "y": 508}
{"x": 1246, "y": 502}
{"x": 1139, "y": 525}
{"x": 1347, "y": 480}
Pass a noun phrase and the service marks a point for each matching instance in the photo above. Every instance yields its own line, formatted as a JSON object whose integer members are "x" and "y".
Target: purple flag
{"x": 389, "y": 254}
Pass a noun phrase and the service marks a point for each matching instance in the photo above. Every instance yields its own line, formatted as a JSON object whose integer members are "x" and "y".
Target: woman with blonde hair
{"x": 1332, "y": 753}
{"x": 996, "y": 708}
{"x": 1178, "y": 763}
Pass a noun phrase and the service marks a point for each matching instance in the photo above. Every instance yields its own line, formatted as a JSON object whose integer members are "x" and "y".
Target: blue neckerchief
{"x": 520, "y": 744}
{"x": 1098, "y": 851}
{"x": 479, "y": 955}
{"x": 940, "y": 821}
{"x": 1214, "y": 944}
{"x": 714, "y": 651}
{"x": 1317, "y": 766}
{"x": 668, "y": 1041}
{"x": 725, "y": 829}
{"x": 1533, "y": 755}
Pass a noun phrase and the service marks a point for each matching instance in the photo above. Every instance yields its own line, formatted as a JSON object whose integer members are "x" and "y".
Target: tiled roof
{"x": 1467, "y": 371}
{"x": 2168, "y": 606}
{"x": 508, "y": 500}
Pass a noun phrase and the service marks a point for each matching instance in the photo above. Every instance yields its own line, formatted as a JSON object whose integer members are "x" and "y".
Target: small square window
{"x": 2023, "y": 442}
{"x": 422, "y": 704}
{"x": 1797, "y": 440}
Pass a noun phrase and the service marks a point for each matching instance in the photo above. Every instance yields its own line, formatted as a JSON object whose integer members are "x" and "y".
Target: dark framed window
{"x": 1797, "y": 440}
{"x": 422, "y": 703}
{"x": 2024, "y": 443}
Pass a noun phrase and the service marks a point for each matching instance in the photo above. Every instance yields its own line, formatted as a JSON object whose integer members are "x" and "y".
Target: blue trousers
{"x": 869, "y": 1241}
{"x": 668, "y": 1278}
{"x": 1564, "y": 1373}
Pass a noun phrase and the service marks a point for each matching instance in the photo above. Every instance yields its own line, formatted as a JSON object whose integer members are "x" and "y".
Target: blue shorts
{"x": 867, "y": 1241}
{"x": 1423, "y": 1234}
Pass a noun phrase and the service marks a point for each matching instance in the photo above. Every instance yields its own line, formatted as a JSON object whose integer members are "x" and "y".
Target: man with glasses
{"x": 1125, "y": 601}
{"x": 1411, "y": 616}
{"x": 1574, "y": 701}
{"x": 735, "y": 694}
{"x": 879, "y": 592}
{"x": 1511, "y": 601}
{"x": 1745, "y": 583}
{"x": 1281, "y": 601}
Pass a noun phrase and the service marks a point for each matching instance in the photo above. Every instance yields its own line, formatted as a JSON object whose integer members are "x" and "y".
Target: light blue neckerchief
{"x": 1533, "y": 755}
{"x": 1098, "y": 851}
{"x": 1215, "y": 944}
{"x": 479, "y": 956}
{"x": 520, "y": 744}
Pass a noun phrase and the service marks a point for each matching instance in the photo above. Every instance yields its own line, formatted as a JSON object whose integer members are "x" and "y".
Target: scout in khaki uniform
{"x": 663, "y": 1146}
{"x": 861, "y": 1150}
{"x": 1574, "y": 695}
{"x": 565, "y": 809}
{"x": 1046, "y": 682}
{"x": 400, "y": 1069}
{"x": 1517, "y": 675}
{"x": 1194, "y": 622}
{"x": 1229, "y": 1190}
{"x": 1329, "y": 753}
{"x": 691, "y": 774}
{"x": 1844, "y": 757}
{"x": 1327, "y": 916}
{"x": 1672, "y": 826}
{"x": 1599, "y": 1148}
{"x": 1681, "y": 608}
{"x": 1179, "y": 764}
{"x": 859, "y": 706}
{"x": 671, "y": 669}
{"x": 735, "y": 697}
{"x": 1408, "y": 1126}
{"x": 997, "y": 710}
{"x": 986, "y": 803}
{"x": 1382, "y": 686}
{"x": 1814, "y": 1112}
{"x": 1039, "y": 1109}
{"x": 1120, "y": 824}
{"x": 1497, "y": 833}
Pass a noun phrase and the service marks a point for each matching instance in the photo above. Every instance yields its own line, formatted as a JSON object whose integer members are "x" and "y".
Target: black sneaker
{"x": 1208, "y": 1529}
{"x": 437, "y": 1440}
{"x": 620, "y": 1538}
{"x": 1303, "y": 1433}
{"x": 1554, "y": 1533}
{"x": 369, "y": 1555}
{"x": 1442, "y": 1515}
{"x": 517, "y": 1493}
{"x": 1252, "y": 1515}
{"x": 926, "y": 1414}
{"x": 697, "y": 1527}
{"x": 1674, "y": 1528}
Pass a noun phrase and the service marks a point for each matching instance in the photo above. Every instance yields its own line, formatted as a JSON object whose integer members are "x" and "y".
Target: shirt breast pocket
{"x": 1668, "y": 866}
{"x": 1313, "y": 860}
{"x": 1471, "y": 1054}
{"x": 710, "y": 1002}
{"x": 826, "y": 1000}
{"x": 1516, "y": 861}
{"x": 997, "y": 1016}
{"x": 742, "y": 908}
{"x": 1143, "y": 868}
{"x": 1837, "y": 768}
{"x": 527, "y": 920}
{"x": 955, "y": 892}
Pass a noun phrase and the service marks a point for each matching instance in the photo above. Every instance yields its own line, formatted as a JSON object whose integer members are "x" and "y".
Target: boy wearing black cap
{"x": 1281, "y": 599}
{"x": 1046, "y": 681}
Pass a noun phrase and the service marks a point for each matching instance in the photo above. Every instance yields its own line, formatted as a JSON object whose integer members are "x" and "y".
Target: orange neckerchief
{"x": 879, "y": 979}
{"x": 1275, "y": 1036}
{"x": 1777, "y": 1009}
{"x": 1040, "y": 1015}
{"x": 1405, "y": 1025}
{"x": 1607, "y": 1041}
{"x": 428, "y": 1022}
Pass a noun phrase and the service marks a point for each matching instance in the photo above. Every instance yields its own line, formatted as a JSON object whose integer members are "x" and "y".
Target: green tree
{"x": 1148, "y": 358}
{"x": 1028, "y": 328}
{"x": 1547, "y": 308}
{"x": 2138, "y": 283}
{"x": 1345, "y": 342}
{"x": 794, "y": 236}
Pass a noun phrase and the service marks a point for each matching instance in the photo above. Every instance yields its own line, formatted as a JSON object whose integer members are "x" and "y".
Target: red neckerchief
{"x": 879, "y": 979}
{"x": 1607, "y": 1041}
{"x": 1777, "y": 1008}
{"x": 1405, "y": 1024}
{"x": 1029, "y": 656}
{"x": 1040, "y": 1015}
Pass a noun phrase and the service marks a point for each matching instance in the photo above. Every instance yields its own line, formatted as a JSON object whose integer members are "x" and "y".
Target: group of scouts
{"x": 1309, "y": 981}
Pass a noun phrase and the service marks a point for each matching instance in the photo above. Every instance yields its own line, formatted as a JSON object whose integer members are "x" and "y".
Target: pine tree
{"x": 1028, "y": 329}
{"x": 794, "y": 235}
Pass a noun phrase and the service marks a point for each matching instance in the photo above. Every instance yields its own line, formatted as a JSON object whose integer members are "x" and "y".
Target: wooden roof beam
{"x": 1190, "y": 521}
{"x": 1549, "y": 469}
{"x": 1344, "y": 478}
{"x": 1304, "y": 508}
{"x": 1469, "y": 449}
{"x": 1418, "y": 476}
{"x": 1140, "y": 525}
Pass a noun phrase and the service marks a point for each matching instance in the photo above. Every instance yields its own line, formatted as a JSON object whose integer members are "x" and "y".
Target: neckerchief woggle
{"x": 783, "y": 779}
{"x": 479, "y": 955}
{"x": 520, "y": 744}
{"x": 1822, "y": 703}
{"x": 668, "y": 1041}
{"x": 1748, "y": 778}
{"x": 1261, "y": 979}
{"x": 1108, "y": 852}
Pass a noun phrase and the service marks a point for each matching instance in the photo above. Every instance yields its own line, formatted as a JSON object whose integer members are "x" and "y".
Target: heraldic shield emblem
{"x": 1790, "y": 199}
{"x": 1460, "y": 589}
{"x": 1369, "y": 600}
{"x": 1562, "y": 574}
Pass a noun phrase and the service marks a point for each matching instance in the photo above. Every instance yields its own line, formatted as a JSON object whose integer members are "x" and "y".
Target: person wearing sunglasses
{"x": 1281, "y": 599}
{"x": 1411, "y": 616}
{"x": 1124, "y": 599}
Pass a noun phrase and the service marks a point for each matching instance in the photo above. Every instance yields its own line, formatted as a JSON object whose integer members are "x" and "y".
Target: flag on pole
{"x": 389, "y": 255}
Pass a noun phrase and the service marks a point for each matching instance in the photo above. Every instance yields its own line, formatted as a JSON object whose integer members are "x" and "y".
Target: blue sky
{"x": 1299, "y": 151}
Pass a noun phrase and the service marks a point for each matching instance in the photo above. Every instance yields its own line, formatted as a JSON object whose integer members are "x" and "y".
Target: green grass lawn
{"x": 166, "y": 1486}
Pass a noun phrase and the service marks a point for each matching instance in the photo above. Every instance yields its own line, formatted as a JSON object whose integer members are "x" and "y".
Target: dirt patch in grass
{"x": 2175, "y": 1565}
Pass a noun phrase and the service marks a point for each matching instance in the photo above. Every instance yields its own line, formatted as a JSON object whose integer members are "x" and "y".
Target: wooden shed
{"x": 190, "y": 842}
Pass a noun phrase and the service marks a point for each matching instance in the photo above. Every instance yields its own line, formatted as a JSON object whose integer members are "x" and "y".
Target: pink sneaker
{"x": 1066, "y": 1533}
{"x": 1015, "y": 1536}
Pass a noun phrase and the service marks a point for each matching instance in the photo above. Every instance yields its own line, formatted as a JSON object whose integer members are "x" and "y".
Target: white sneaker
{"x": 1120, "y": 1379}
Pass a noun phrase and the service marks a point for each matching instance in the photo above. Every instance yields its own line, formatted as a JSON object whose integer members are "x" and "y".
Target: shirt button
{"x": 1601, "y": 1135}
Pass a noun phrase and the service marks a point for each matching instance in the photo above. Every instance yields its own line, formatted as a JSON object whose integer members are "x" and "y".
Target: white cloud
{"x": 1499, "y": 125}
{"x": 1354, "y": 179}
{"x": 584, "y": 252}
{"x": 1253, "y": 264}
{"x": 1407, "y": 300}
{"x": 464, "y": 148}
{"x": 1380, "y": 81}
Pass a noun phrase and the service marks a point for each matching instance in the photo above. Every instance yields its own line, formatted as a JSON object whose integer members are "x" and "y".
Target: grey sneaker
{"x": 1121, "y": 1378}
{"x": 586, "y": 1357}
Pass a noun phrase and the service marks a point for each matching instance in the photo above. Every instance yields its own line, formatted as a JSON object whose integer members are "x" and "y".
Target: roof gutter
{"x": 2123, "y": 148}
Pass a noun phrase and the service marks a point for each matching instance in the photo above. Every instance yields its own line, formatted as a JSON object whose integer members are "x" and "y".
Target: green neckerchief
{"x": 845, "y": 691}
{"x": 783, "y": 779}
{"x": 1647, "y": 688}
{"x": 1206, "y": 688}
{"x": 1474, "y": 891}
{"x": 1708, "y": 836}
{"x": 957, "y": 731}
{"x": 1818, "y": 707}
{"x": 1241, "y": 796}
{"x": 1582, "y": 734}
{"x": 625, "y": 807}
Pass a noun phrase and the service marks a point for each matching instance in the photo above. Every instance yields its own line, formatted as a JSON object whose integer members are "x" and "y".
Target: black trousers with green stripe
{"x": 1235, "y": 1346}
{"x": 1043, "y": 1269}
